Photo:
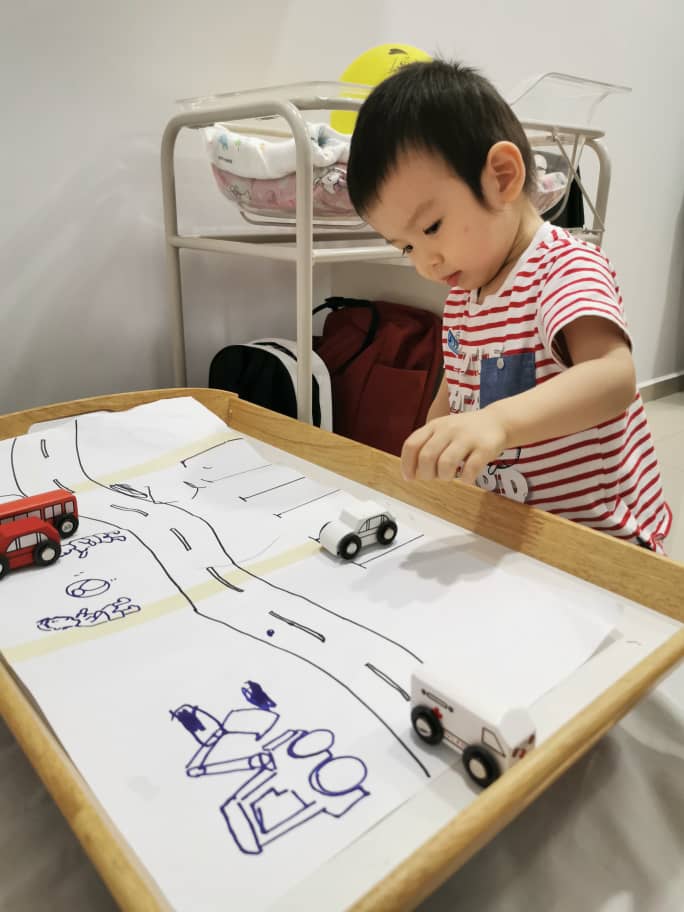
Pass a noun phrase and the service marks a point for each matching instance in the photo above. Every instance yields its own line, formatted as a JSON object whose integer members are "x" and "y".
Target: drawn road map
{"x": 236, "y": 697}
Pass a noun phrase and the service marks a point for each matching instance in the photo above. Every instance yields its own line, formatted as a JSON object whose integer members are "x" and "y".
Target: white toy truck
{"x": 488, "y": 747}
{"x": 359, "y": 524}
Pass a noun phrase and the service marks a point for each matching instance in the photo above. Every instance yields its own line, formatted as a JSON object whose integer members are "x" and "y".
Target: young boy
{"x": 539, "y": 397}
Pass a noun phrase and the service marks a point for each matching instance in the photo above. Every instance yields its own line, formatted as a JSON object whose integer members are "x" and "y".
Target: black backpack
{"x": 265, "y": 372}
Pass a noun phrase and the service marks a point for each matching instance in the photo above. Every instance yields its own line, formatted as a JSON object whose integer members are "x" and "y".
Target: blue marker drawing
{"x": 253, "y": 693}
{"x": 83, "y": 546}
{"x": 226, "y": 746}
{"x": 288, "y": 780}
{"x": 115, "y": 611}
{"x": 87, "y": 588}
{"x": 306, "y": 780}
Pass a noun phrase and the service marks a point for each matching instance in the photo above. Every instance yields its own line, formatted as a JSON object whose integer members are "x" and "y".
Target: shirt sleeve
{"x": 580, "y": 283}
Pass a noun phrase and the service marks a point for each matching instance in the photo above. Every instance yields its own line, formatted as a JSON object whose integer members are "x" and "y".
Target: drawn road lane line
{"x": 60, "y": 639}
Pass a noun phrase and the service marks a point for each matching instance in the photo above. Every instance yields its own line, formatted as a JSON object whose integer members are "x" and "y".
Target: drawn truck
{"x": 359, "y": 524}
{"x": 488, "y": 747}
{"x": 31, "y": 528}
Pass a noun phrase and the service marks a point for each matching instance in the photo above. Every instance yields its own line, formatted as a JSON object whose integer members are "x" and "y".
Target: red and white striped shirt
{"x": 606, "y": 477}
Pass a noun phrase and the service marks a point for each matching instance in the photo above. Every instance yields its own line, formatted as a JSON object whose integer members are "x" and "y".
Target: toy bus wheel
{"x": 349, "y": 546}
{"x": 481, "y": 764}
{"x": 4, "y": 567}
{"x": 46, "y": 553}
{"x": 66, "y": 525}
{"x": 387, "y": 532}
{"x": 426, "y": 724}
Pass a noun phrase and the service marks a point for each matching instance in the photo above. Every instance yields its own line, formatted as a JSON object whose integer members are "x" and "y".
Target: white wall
{"x": 82, "y": 283}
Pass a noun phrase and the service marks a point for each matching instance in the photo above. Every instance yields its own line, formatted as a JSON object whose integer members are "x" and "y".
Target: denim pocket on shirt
{"x": 505, "y": 376}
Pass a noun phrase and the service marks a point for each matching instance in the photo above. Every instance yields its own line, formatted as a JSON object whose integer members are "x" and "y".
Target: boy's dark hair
{"x": 438, "y": 107}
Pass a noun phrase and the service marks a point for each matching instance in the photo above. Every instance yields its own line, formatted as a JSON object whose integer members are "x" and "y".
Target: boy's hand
{"x": 454, "y": 446}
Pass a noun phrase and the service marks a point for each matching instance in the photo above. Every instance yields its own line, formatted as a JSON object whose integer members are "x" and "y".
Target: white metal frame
{"x": 309, "y": 236}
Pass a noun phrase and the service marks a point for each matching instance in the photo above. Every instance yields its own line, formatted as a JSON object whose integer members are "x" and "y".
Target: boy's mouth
{"x": 453, "y": 278}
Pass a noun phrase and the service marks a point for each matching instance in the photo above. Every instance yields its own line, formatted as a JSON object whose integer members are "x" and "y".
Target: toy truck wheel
{"x": 66, "y": 525}
{"x": 481, "y": 764}
{"x": 426, "y": 725}
{"x": 387, "y": 532}
{"x": 349, "y": 546}
{"x": 4, "y": 567}
{"x": 46, "y": 553}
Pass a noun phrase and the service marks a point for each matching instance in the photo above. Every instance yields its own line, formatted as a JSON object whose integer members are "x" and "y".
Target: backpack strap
{"x": 338, "y": 303}
{"x": 286, "y": 351}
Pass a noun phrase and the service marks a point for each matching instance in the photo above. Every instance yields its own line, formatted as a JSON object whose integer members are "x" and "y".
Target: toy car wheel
{"x": 4, "y": 567}
{"x": 46, "y": 553}
{"x": 426, "y": 724}
{"x": 481, "y": 764}
{"x": 66, "y": 525}
{"x": 387, "y": 532}
{"x": 349, "y": 546}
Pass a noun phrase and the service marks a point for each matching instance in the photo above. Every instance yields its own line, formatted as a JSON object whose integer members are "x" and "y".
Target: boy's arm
{"x": 440, "y": 404}
{"x": 600, "y": 385}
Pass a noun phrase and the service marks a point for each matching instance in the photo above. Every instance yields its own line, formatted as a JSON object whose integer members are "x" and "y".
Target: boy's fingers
{"x": 450, "y": 461}
{"x": 411, "y": 450}
{"x": 473, "y": 466}
{"x": 429, "y": 456}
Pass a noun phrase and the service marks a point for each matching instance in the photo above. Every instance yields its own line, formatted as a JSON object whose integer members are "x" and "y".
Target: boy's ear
{"x": 503, "y": 176}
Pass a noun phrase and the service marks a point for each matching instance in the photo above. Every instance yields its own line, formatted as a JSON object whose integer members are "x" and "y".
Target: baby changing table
{"x": 555, "y": 111}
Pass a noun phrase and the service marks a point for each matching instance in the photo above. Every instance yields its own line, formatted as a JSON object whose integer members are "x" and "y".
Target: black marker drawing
{"x": 235, "y": 474}
{"x": 356, "y": 643}
{"x": 128, "y": 509}
{"x": 197, "y": 488}
{"x": 306, "y": 503}
{"x": 291, "y": 623}
{"x": 184, "y": 462}
{"x": 386, "y": 678}
{"x": 283, "y": 484}
{"x": 386, "y": 551}
{"x": 182, "y": 539}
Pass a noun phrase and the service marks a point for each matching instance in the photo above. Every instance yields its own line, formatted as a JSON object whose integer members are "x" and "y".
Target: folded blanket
{"x": 259, "y": 158}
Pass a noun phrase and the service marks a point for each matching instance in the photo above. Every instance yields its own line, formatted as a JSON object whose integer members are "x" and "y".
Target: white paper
{"x": 236, "y": 697}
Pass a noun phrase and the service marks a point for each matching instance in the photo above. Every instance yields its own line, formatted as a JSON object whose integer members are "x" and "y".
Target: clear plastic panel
{"x": 301, "y": 94}
{"x": 561, "y": 99}
{"x": 296, "y": 91}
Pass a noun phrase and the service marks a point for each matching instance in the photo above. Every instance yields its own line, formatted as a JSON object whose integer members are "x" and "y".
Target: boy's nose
{"x": 435, "y": 262}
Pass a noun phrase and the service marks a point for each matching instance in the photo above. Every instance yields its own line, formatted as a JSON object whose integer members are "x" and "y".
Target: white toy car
{"x": 359, "y": 524}
{"x": 488, "y": 748}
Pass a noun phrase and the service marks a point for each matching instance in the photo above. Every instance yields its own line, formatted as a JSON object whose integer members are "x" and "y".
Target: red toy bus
{"x": 31, "y": 528}
{"x": 59, "y": 508}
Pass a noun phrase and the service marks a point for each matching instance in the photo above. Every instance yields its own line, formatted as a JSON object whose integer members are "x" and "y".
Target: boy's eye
{"x": 406, "y": 250}
{"x": 434, "y": 227}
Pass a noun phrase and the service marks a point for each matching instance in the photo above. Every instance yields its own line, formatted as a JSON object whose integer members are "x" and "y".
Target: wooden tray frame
{"x": 634, "y": 573}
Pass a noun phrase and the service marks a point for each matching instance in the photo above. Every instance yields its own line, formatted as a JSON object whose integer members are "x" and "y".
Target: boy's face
{"x": 427, "y": 211}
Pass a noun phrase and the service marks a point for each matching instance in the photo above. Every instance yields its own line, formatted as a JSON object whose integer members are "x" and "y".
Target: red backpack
{"x": 385, "y": 364}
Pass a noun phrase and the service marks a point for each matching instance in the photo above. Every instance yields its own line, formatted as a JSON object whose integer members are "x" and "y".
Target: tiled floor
{"x": 666, "y": 420}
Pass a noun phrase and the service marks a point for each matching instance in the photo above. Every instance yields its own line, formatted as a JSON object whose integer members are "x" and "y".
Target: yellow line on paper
{"x": 60, "y": 639}
{"x": 173, "y": 457}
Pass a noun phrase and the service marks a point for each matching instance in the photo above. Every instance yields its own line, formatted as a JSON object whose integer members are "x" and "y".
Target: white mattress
{"x": 608, "y": 837}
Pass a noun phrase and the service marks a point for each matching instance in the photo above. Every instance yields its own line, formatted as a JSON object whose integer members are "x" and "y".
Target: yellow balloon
{"x": 371, "y": 68}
